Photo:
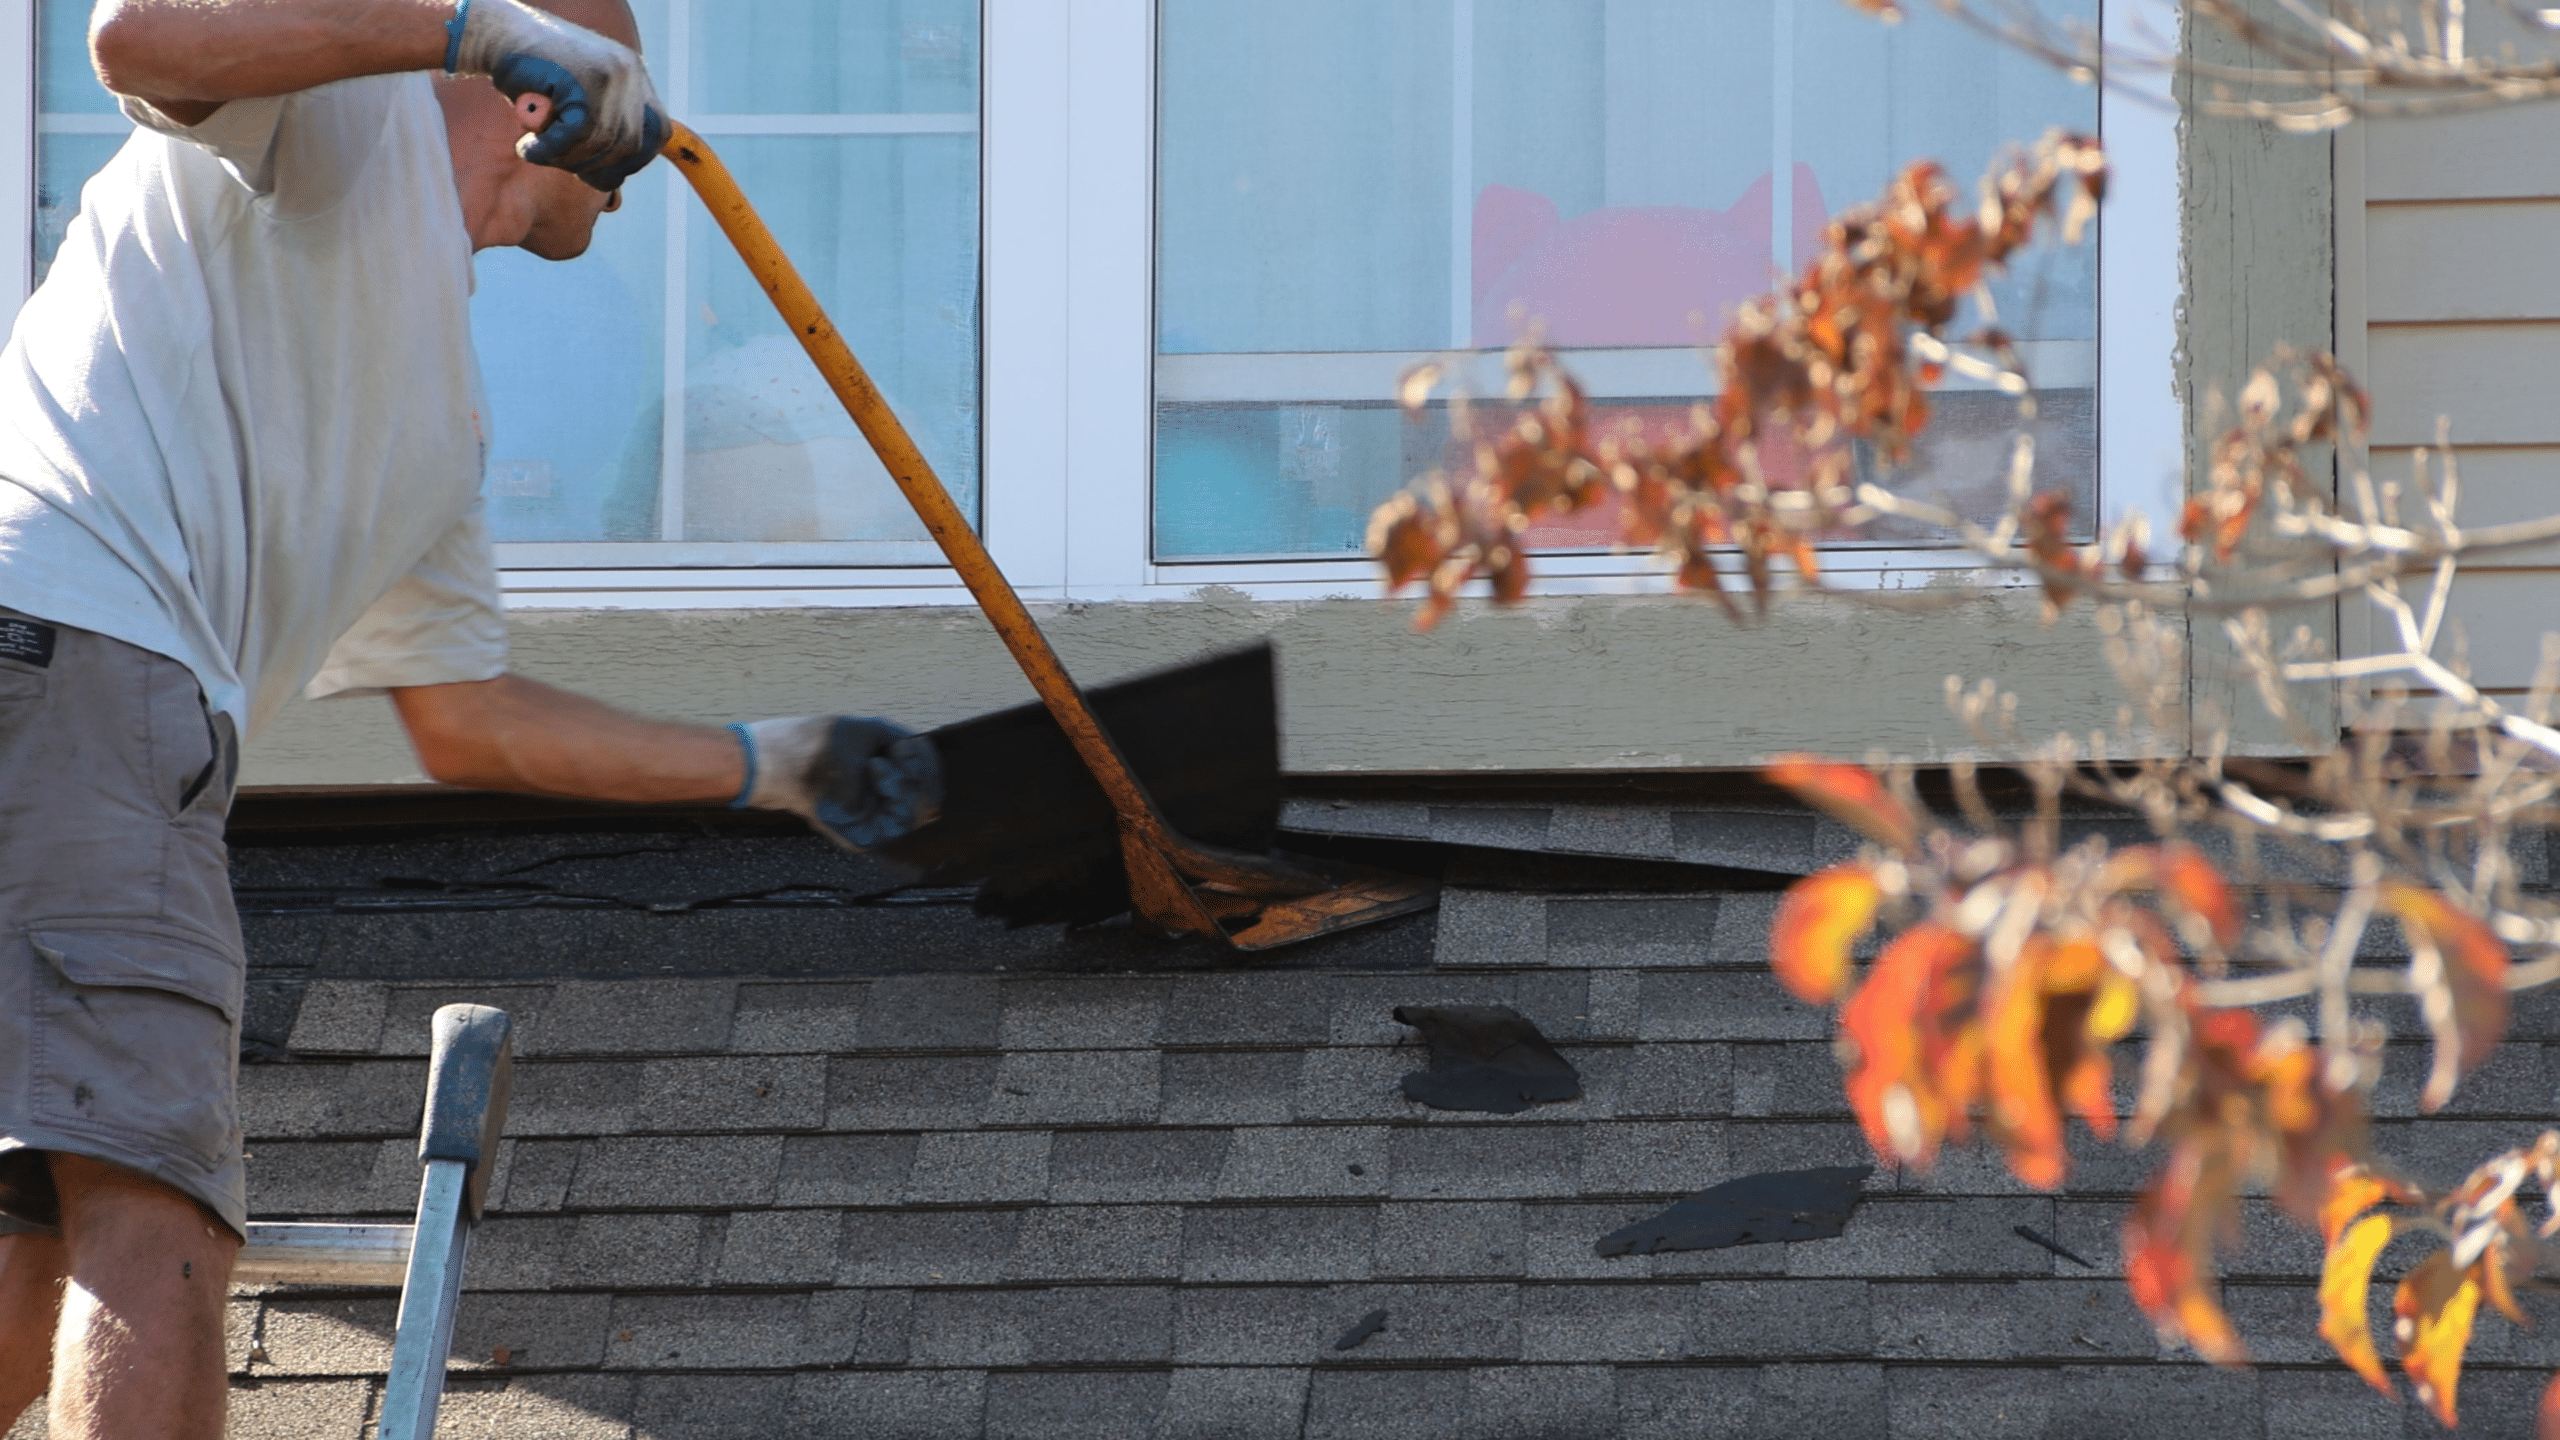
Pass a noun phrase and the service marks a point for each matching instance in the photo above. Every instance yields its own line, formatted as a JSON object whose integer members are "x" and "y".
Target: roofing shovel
{"x": 1176, "y": 884}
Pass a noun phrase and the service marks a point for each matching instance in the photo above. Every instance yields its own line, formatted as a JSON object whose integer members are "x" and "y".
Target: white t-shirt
{"x": 242, "y": 418}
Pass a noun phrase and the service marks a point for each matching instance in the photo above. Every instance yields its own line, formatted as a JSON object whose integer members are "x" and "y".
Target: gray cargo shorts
{"x": 121, "y": 970}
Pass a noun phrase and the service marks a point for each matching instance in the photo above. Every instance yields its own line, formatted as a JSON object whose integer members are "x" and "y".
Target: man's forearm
{"x": 521, "y": 735}
{"x": 190, "y": 54}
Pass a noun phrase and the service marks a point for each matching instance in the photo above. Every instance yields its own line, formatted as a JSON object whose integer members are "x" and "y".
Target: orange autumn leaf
{"x": 1889, "y": 1032}
{"x": 2433, "y": 1310}
{"x": 2168, "y": 1243}
{"x": 2546, "y": 1421}
{"x": 2344, "y": 1279}
{"x": 2189, "y": 880}
{"x": 1819, "y": 919}
{"x": 1850, "y": 794}
{"x": 2352, "y": 1191}
{"x": 2024, "y": 1115}
{"x": 2475, "y": 983}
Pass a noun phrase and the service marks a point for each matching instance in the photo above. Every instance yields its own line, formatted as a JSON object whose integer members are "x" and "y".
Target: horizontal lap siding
{"x": 2462, "y": 308}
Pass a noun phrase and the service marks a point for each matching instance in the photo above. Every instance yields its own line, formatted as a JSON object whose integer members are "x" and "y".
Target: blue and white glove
{"x": 604, "y": 123}
{"x": 862, "y": 782}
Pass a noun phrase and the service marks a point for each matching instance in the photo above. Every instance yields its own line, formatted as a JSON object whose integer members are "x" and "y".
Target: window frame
{"x": 1067, "y": 360}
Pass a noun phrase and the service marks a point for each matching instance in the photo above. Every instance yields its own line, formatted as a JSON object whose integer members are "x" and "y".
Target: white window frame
{"x": 1067, "y": 341}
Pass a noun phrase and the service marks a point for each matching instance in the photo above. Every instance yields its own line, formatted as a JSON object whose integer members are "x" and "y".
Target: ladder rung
{"x": 301, "y": 1253}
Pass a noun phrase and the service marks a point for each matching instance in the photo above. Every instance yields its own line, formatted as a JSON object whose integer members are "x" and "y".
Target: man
{"x": 240, "y": 454}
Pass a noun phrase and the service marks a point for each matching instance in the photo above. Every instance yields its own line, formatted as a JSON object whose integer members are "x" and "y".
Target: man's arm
{"x": 521, "y": 735}
{"x": 187, "y": 57}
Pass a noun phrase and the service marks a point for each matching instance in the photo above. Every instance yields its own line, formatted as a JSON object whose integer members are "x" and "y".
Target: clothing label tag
{"x": 26, "y": 640}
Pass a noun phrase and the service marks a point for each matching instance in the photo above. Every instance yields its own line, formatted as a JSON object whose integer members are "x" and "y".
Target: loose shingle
{"x": 980, "y": 1168}
{"x": 339, "y": 1017}
{"x": 1494, "y": 827}
{"x": 1098, "y": 1242}
{"x": 1639, "y": 830}
{"x": 1075, "y": 1087}
{"x": 1226, "y": 1244}
{"x": 1746, "y": 840}
{"x": 806, "y": 1019}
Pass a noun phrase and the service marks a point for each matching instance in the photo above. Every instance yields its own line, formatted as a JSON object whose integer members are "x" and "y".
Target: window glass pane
{"x": 868, "y": 175}
{"x": 1345, "y": 188}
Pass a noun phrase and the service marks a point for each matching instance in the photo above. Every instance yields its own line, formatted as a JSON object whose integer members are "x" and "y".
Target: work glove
{"x": 604, "y": 123}
{"x": 861, "y": 782}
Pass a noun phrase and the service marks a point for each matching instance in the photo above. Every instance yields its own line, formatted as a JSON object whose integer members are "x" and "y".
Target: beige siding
{"x": 2460, "y": 312}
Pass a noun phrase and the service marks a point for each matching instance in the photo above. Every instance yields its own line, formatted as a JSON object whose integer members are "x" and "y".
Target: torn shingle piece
{"x": 1486, "y": 1058}
{"x": 1369, "y": 1324}
{"x": 1753, "y": 1210}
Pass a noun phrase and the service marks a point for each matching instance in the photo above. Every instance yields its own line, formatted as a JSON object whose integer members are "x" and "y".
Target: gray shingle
{"x": 711, "y": 1172}
{"x": 1082, "y": 1012}
{"x": 1683, "y": 1080}
{"x": 1490, "y": 927}
{"x": 1295, "y": 1160}
{"x": 1357, "y": 1083}
{"x": 1224, "y": 1244}
{"x": 1685, "y": 1402}
{"x": 582, "y": 1097}
{"x": 537, "y": 1175}
{"x": 1821, "y": 1399}
{"x": 1667, "y": 1157}
{"x": 1894, "y": 1235}
{"x": 1760, "y": 1146}
{"x": 908, "y": 1093}
{"x": 333, "y": 1179}
{"x": 1592, "y": 1323}
{"x": 1356, "y": 817}
{"x": 929, "y": 1247}
{"x": 761, "y": 1092}
{"x": 780, "y": 1247}
{"x": 630, "y": 1017}
{"x": 1232, "y": 1404}
{"x": 1802, "y": 1078}
{"x": 1745, "y": 840}
{"x": 1075, "y": 1087}
{"x": 1556, "y": 1241}
{"x": 511, "y": 1252}
{"x": 542, "y": 1332}
{"x": 1723, "y": 1005}
{"x": 1478, "y": 1321}
{"x": 1387, "y": 1405}
{"x": 1254, "y": 1325}
{"x": 2083, "y": 1320}
{"x": 2277, "y": 1246}
{"x": 712, "y": 1407}
{"x": 1558, "y": 1002}
{"x": 327, "y": 1337}
{"x": 552, "y": 1407}
{"x": 1944, "y": 1321}
{"x": 2093, "y": 1230}
{"x": 1485, "y": 1162}
{"x": 1267, "y": 1008}
{"x": 1632, "y": 933}
{"x": 844, "y": 1169}
{"x": 1994, "y": 1404}
{"x": 1495, "y": 827}
{"x": 633, "y": 1252}
{"x": 2513, "y": 1081}
{"x": 1616, "y": 999}
{"x": 1522, "y": 1402}
{"x": 1364, "y": 1006}
{"x": 339, "y": 1017}
{"x": 308, "y": 1410}
{"x": 933, "y": 1012}
{"x": 2158, "y": 1402}
{"x": 971, "y": 1327}
{"x": 1086, "y": 1166}
{"x": 409, "y": 1011}
{"x": 1641, "y": 830}
{"x": 2334, "y": 1405}
{"x": 1433, "y": 1240}
{"x": 1102, "y": 1325}
{"x": 337, "y": 1101}
{"x": 926, "y": 1405}
{"x": 1743, "y": 922}
{"x": 805, "y": 1018}
{"x": 1229, "y": 1088}
{"x": 885, "y": 1316}
{"x": 1107, "y": 1405}
{"x": 837, "y": 1322}
{"x": 1098, "y": 1242}
{"x": 1781, "y": 1319}
{"x": 980, "y": 1168}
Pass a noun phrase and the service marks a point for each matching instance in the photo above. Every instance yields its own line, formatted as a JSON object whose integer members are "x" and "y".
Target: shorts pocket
{"x": 137, "y": 1034}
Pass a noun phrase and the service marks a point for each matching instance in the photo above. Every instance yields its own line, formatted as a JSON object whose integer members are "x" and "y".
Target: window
{"x": 1140, "y": 275}
{"x": 1346, "y": 188}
